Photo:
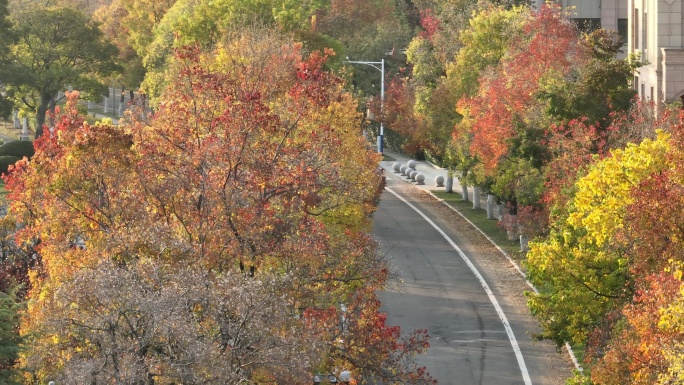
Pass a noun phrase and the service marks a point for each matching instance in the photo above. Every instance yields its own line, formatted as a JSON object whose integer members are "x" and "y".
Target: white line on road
{"x": 485, "y": 286}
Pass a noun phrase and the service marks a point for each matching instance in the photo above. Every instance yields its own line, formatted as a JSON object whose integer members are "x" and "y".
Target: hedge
{"x": 17, "y": 148}
{"x": 6, "y": 161}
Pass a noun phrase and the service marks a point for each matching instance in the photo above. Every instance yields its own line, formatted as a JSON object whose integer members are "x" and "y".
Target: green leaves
{"x": 56, "y": 47}
{"x": 10, "y": 340}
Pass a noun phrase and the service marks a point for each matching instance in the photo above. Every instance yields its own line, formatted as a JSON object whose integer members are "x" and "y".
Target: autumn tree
{"x": 56, "y": 47}
{"x": 251, "y": 172}
{"x": 484, "y": 43}
{"x": 206, "y": 23}
{"x": 631, "y": 347}
{"x": 148, "y": 323}
{"x": 581, "y": 265}
{"x": 636, "y": 344}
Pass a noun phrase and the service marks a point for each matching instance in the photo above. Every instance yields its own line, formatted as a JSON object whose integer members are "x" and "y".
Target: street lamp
{"x": 381, "y": 68}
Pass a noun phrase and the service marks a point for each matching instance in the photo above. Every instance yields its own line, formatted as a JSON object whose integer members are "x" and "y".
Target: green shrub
{"x": 6, "y": 161}
{"x": 17, "y": 148}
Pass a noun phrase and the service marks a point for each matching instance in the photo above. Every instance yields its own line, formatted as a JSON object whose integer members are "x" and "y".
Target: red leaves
{"x": 247, "y": 166}
{"x": 429, "y": 22}
{"x": 507, "y": 100}
{"x": 635, "y": 354}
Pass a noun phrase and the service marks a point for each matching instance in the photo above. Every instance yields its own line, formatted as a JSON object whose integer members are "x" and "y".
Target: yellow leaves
{"x": 605, "y": 191}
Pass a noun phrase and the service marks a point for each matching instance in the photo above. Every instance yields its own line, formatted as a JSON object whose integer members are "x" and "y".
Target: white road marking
{"x": 485, "y": 286}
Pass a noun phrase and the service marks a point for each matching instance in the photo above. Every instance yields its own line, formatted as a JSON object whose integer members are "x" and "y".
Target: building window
{"x": 636, "y": 84}
{"x": 622, "y": 30}
{"x": 652, "y": 95}
{"x": 587, "y": 25}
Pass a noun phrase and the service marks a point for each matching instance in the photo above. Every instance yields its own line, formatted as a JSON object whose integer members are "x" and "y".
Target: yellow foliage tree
{"x": 581, "y": 267}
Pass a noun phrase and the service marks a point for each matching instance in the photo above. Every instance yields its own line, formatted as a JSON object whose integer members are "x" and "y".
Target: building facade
{"x": 593, "y": 14}
{"x": 656, "y": 35}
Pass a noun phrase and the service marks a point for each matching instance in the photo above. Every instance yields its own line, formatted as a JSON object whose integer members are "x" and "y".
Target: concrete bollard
{"x": 396, "y": 166}
{"x": 439, "y": 181}
{"x": 413, "y": 174}
{"x": 420, "y": 178}
{"x": 402, "y": 169}
{"x": 412, "y": 164}
{"x": 408, "y": 172}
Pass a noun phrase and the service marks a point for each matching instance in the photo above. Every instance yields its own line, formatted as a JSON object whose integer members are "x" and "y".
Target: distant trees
{"x": 55, "y": 47}
{"x": 10, "y": 340}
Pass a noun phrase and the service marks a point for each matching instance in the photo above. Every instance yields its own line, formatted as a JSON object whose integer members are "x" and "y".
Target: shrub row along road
{"x": 457, "y": 285}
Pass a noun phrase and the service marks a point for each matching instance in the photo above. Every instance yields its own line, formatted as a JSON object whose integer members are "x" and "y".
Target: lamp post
{"x": 381, "y": 68}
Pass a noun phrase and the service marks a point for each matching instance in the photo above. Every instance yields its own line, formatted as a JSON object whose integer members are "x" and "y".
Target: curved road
{"x": 456, "y": 285}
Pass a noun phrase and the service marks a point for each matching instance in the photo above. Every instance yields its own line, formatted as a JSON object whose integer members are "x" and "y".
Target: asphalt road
{"x": 468, "y": 298}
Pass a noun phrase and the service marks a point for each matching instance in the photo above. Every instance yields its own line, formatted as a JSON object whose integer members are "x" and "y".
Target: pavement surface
{"x": 437, "y": 291}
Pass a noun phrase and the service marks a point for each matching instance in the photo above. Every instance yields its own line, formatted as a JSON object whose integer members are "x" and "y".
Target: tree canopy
{"x": 250, "y": 181}
{"x": 56, "y": 47}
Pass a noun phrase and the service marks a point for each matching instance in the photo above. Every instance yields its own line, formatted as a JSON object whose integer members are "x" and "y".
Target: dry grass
{"x": 8, "y": 132}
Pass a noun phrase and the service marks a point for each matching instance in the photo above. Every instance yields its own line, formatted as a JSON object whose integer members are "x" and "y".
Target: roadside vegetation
{"x": 238, "y": 166}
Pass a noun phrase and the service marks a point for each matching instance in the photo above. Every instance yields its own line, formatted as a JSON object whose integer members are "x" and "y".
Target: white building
{"x": 656, "y": 33}
{"x": 593, "y": 14}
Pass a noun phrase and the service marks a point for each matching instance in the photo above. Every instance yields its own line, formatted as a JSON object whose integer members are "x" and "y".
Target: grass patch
{"x": 488, "y": 226}
{"x": 387, "y": 158}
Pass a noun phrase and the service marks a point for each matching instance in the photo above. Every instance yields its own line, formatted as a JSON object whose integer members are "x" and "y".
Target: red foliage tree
{"x": 506, "y": 105}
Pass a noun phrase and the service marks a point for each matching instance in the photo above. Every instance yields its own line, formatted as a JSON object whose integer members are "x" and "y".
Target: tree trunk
{"x": 449, "y": 185}
{"x": 476, "y": 198}
{"x": 490, "y": 206}
{"x": 464, "y": 190}
{"x": 524, "y": 243}
{"x": 52, "y": 107}
{"x": 41, "y": 112}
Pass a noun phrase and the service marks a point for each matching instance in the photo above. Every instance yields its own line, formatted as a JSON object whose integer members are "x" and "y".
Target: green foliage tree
{"x": 599, "y": 87}
{"x": 114, "y": 19}
{"x": 5, "y": 30}
{"x": 484, "y": 42}
{"x": 56, "y": 47}
{"x": 10, "y": 340}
